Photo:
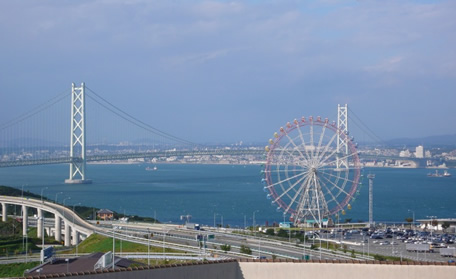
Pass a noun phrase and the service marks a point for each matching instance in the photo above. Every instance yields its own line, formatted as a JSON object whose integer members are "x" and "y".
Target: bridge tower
{"x": 342, "y": 145}
{"x": 78, "y": 136}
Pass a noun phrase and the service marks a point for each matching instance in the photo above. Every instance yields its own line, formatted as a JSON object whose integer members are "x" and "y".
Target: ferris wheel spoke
{"x": 334, "y": 198}
{"x": 320, "y": 199}
{"x": 312, "y": 141}
{"x": 337, "y": 176}
{"x": 291, "y": 154}
{"x": 282, "y": 170}
{"x": 304, "y": 198}
{"x": 326, "y": 149}
{"x": 322, "y": 135}
{"x": 293, "y": 200}
{"x": 325, "y": 158}
{"x": 288, "y": 190}
{"x": 337, "y": 186}
{"x": 303, "y": 141}
{"x": 290, "y": 178}
{"x": 341, "y": 158}
{"x": 296, "y": 147}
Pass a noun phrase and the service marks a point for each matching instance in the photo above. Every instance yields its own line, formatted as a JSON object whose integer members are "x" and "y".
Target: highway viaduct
{"x": 74, "y": 227}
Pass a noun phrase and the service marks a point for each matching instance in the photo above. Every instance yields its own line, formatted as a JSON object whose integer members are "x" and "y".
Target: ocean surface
{"x": 231, "y": 192}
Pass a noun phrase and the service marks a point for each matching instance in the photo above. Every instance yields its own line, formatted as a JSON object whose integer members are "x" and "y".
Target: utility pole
{"x": 371, "y": 199}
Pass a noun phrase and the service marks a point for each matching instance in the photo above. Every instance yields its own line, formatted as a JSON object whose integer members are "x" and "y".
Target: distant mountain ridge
{"x": 440, "y": 140}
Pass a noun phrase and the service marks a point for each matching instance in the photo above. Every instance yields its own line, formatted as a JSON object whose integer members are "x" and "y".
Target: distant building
{"x": 419, "y": 151}
{"x": 405, "y": 153}
{"x": 427, "y": 154}
{"x": 105, "y": 214}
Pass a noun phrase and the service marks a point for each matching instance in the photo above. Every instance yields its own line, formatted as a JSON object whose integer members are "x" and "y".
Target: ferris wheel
{"x": 312, "y": 170}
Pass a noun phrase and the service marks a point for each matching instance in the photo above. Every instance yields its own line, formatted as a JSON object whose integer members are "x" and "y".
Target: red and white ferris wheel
{"x": 312, "y": 170}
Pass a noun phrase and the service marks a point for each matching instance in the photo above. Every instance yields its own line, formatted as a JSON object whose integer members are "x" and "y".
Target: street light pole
{"x": 253, "y": 220}
{"x": 68, "y": 198}
{"x": 76, "y": 240}
{"x": 413, "y": 219}
{"x": 42, "y": 189}
{"x": 42, "y": 236}
{"x": 57, "y": 195}
{"x": 113, "y": 246}
{"x": 148, "y": 247}
{"x": 215, "y": 214}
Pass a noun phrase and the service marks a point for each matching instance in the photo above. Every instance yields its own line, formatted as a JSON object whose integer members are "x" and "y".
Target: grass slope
{"x": 99, "y": 243}
{"x": 16, "y": 269}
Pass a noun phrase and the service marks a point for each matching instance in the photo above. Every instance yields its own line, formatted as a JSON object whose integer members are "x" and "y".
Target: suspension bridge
{"x": 40, "y": 136}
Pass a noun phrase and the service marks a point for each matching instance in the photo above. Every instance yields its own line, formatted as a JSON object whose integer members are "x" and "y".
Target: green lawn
{"x": 15, "y": 270}
{"x": 99, "y": 243}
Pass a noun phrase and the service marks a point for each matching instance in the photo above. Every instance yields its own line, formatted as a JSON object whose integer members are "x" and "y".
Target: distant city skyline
{"x": 219, "y": 71}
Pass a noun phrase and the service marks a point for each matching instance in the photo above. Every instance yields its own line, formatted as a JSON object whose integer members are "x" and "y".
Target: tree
{"x": 270, "y": 232}
{"x": 282, "y": 233}
{"x": 445, "y": 225}
{"x": 245, "y": 250}
{"x": 379, "y": 258}
{"x": 345, "y": 248}
{"x": 409, "y": 220}
{"x": 225, "y": 247}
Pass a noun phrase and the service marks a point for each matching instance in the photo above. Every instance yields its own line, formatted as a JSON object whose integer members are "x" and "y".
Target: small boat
{"x": 437, "y": 174}
{"x": 151, "y": 169}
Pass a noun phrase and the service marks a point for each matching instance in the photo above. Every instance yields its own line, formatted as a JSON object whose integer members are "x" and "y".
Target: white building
{"x": 419, "y": 151}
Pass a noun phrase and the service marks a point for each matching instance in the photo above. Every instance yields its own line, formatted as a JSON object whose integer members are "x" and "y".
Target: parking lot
{"x": 393, "y": 241}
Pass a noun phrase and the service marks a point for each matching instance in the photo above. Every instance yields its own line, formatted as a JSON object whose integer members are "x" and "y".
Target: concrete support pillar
{"x": 4, "y": 213}
{"x": 39, "y": 225}
{"x": 58, "y": 228}
{"x": 75, "y": 236}
{"x": 67, "y": 234}
{"x": 24, "y": 220}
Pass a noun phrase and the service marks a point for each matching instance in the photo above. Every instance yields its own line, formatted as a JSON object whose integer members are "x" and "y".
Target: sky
{"x": 230, "y": 71}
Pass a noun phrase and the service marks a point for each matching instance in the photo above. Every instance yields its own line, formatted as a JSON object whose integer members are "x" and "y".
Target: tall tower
{"x": 342, "y": 145}
{"x": 371, "y": 199}
{"x": 77, "y": 143}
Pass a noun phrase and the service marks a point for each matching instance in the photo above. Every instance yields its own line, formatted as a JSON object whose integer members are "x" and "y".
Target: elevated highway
{"x": 74, "y": 227}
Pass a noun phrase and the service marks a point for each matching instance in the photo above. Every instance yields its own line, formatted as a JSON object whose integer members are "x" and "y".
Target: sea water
{"x": 232, "y": 194}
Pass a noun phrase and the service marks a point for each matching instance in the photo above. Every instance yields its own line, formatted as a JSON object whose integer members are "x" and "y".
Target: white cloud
{"x": 389, "y": 66}
{"x": 328, "y": 46}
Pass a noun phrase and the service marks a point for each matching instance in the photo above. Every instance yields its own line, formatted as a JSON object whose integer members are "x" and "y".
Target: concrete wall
{"x": 278, "y": 270}
{"x": 197, "y": 271}
{"x": 252, "y": 270}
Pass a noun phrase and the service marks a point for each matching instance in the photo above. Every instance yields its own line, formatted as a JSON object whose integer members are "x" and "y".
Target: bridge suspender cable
{"x": 360, "y": 124}
{"x": 133, "y": 120}
{"x": 35, "y": 110}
